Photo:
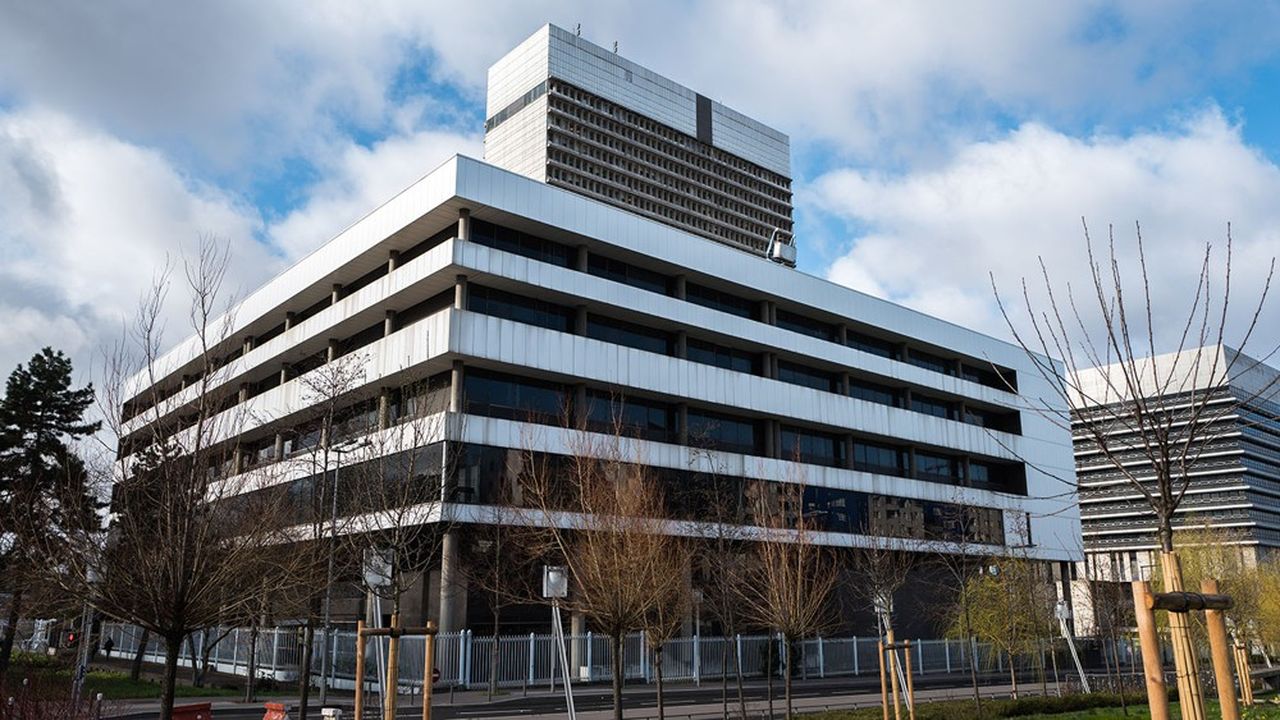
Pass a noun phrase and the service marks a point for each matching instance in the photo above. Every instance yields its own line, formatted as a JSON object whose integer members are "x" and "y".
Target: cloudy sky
{"x": 934, "y": 143}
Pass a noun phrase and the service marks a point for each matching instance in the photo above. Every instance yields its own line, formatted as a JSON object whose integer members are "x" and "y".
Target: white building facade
{"x": 515, "y": 299}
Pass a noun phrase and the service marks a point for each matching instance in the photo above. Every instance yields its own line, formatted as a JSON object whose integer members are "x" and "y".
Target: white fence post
{"x": 697, "y": 662}
{"x": 947, "y": 646}
{"x": 855, "y": 655}
{"x": 531, "y": 679}
{"x": 739, "y": 642}
{"x": 920, "y": 656}
{"x": 590, "y": 664}
{"x": 822, "y": 661}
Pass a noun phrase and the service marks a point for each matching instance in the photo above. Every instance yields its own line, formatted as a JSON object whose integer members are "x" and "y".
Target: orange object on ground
{"x": 195, "y": 711}
{"x": 275, "y": 711}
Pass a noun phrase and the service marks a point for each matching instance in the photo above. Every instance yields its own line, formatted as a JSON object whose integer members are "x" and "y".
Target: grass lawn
{"x": 51, "y": 675}
{"x": 1041, "y": 709}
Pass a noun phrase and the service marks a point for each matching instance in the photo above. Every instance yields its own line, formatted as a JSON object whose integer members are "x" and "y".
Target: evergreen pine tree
{"x": 44, "y": 488}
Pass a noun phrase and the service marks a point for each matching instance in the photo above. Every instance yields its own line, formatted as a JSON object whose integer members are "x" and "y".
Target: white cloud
{"x": 930, "y": 238}
{"x": 359, "y": 179}
{"x": 86, "y": 223}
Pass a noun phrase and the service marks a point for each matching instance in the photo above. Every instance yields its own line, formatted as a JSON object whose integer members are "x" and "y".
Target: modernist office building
{"x": 613, "y": 256}
{"x": 1235, "y": 473}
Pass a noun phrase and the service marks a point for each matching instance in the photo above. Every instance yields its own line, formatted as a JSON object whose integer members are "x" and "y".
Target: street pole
{"x": 328, "y": 585}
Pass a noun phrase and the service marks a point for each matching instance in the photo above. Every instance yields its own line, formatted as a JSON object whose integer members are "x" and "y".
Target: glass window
{"x": 871, "y": 344}
{"x": 873, "y": 392}
{"x": 626, "y": 273}
{"x": 929, "y": 361}
{"x": 936, "y": 468}
{"x": 720, "y": 300}
{"x": 812, "y": 447}
{"x": 500, "y": 303}
{"x": 930, "y": 406}
{"x": 806, "y": 326}
{"x": 881, "y": 459}
{"x": 498, "y": 395}
{"x": 635, "y": 417}
{"x": 620, "y": 332}
{"x": 430, "y": 306}
{"x": 421, "y": 248}
{"x": 1003, "y": 421}
{"x": 789, "y": 372}
{"x": 520, "y": 243}
{"x": 729, "y": 358}
{"x": 723, "y": 432}
{"x": 835, "y": 510}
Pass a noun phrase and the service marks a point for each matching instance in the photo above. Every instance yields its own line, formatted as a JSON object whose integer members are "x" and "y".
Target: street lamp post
{"x": 339, "y": 451}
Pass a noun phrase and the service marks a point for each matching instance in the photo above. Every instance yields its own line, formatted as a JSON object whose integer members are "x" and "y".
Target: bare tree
{"x": 792, "y": 578}
{"x": 603, "y": 515}
{"x": 190, "y": 540}
{"x": 957, "y": 564}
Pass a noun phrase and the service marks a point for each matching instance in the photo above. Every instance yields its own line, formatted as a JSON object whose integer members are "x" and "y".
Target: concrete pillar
{"x": 279, "y": 446}
{"x": 284, "y": 373}
{"x": 393, "y": 261}
{"x": 335, "y": 294}
{"x": 578, "y": 648}
{"x": 384, "y": 408}
{"x": 766, "y": 312}
{"x": 581, "y": 262}
{"x": 237, "y": 461}
{"x": 244, "y": 393}
{"x": 453, "y": 585}
{"x": 580, "y": 405}
{"x": 289, "y": 319}
{"x": 848, "y": 451}
{"x": 682, "y": 343}
{"x": 580, "y": 320}
{"x": 844, "y": 383}
{"x": 682, "y": 423}
{"x": 769, "y": 365}
{"x": 680, "y": 286}
{"x": 332, "y": 353}
{"x": 464, "y": 224}
{"x": 770, "y": 439}
{"x": 842, "y": 334}
{"x": 455, "y": 387}
{"x": 389, "y": 323}
{"x": 460, "y": 292}
{"x": 248, "y": 345}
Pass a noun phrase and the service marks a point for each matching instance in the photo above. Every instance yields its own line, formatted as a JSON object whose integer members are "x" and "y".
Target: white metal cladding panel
{"x": 736, "y": 133}
{"x": 517, "y": 72}
{"x": 509, "y": 342}
{"x": 412, "y": 203}
{"x": 520, "y": 143}
{"x": 604, "y": 73}
{"x": 1056, "y": 536}
{"x": 431, "y": 263}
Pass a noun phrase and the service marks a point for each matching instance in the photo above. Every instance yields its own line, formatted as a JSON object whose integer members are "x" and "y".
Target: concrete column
{"x": 248, "y": 345}
{"x": 453, "y": 585}
{"x": 464, "y": 224}
{"x": 682, "y": 423}
{"x": 580, "y": 405}
{"x": 237, "y": 461}
{"x": 844, "y": 383}
{"x": 580, "y": 320}
{"x": 284, "y": 373}
{"x": 279, "y": 446}
{"x": 842, "y": 334}
{"x": 848, "y": 451}
{"x": 581, "y": 262}
{"x": 289, "y": 320}
{"x": 578, "y": 648}
{"x": 679, "y": 287}
{"x": 393, "y": 261}
{"x": 460, "y": 292}
{"x": 384, "y": 408}
{"x": 244, "y": 392}
{"x": 455, "y": 387}
{"x": 682, "y": 344}
{"x": 332, "y": 353}
{"x": 335, "y": 294}
{"x": 769, "y": 365}
{"x": 389, "y": 323}
{"x": 766, "y": 312}
{"x": 770, "y": 440}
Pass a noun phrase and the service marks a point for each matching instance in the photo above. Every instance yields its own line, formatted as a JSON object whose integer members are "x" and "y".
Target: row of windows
{"x": 494, "y": 394}
{"x": 541, "y": 313}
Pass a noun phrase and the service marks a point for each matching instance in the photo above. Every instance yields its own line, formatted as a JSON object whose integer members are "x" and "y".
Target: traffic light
{"x": 71, "y": 638}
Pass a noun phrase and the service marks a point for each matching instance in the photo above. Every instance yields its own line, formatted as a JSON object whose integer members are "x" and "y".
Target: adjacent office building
{"x": 625, "y": 251}
{"x": 1234, "y": 473}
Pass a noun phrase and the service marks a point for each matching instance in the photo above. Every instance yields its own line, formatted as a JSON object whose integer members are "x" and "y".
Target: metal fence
{"x": 466, "y": 660}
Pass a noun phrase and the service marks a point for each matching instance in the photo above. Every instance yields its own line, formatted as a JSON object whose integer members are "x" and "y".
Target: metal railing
{"x": 465, "y": 660}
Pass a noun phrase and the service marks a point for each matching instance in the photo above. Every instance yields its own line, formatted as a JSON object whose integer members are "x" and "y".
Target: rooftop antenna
{"x": 615, "y": 47}
{"x": 578, "y": 30}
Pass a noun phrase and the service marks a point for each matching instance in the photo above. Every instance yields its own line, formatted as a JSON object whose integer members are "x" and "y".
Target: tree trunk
{"x": 304, "y": 672}
{"x": 615, "y": 641}
{"x": 493, "y": 652}
{"x": 724, "y": 679}
{"x": 737, "y": 671}
{"x": 786, "y": 673}
{"x": 657, "y": 668}
{"x": 135, "y": 669}
{"x": 251, "y": 681}
{"x": 1013, "y": 676}
{"x": 172, "y": 648}
{"x": 973, "y": 657}
{"x": 10, "y": 631}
